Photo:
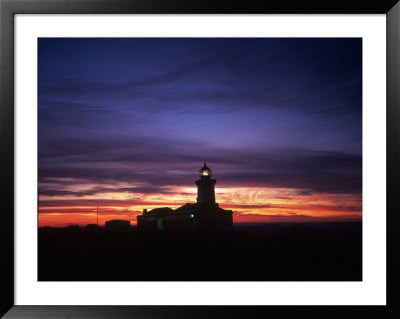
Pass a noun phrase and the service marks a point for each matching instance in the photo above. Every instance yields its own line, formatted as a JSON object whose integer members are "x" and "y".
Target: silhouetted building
{"x": 203, "y": 215}
{"x": 117, "y": 224}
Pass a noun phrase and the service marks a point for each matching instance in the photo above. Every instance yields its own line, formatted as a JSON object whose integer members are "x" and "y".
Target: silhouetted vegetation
{"x": 267, "y": 253}
{"x": 92, "y": 227}
{"x": 73, "y": 227}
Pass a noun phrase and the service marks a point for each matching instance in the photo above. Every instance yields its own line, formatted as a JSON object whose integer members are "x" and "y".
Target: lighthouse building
{"x": 205, "y": 214}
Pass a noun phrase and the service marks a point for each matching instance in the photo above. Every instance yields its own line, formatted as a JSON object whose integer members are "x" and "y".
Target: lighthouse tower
{"x": 205, "y": 187}
{"x": 203, "y": 215}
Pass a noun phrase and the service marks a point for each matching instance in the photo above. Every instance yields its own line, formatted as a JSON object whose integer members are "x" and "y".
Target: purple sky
{"x": 262, "y": 113}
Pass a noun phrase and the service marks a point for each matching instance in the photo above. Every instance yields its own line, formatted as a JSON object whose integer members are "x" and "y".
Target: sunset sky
{"x": 125, "y": 124}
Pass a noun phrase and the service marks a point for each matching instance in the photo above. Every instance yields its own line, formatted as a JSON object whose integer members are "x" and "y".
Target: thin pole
{"x": 97, "y": 215}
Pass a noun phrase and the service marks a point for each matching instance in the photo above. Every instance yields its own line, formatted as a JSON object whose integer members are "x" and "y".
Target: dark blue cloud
{"x": 272, "y": 112}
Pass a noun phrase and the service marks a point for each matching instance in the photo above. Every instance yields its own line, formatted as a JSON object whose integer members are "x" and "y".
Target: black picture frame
{"x": 8, "y": 9}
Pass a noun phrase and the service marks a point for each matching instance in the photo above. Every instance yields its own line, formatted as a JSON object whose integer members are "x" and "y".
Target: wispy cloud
{"x": 137, "y": 117}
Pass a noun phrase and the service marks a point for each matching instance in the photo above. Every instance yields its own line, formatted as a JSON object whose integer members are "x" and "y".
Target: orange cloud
{"x": 249, "y": 205}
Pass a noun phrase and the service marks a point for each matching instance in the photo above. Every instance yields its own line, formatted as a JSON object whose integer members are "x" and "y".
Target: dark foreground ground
{"x": 298, "y": 252}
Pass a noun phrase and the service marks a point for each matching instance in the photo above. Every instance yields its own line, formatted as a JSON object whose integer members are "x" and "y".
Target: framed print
{"x": 162, "y": 159}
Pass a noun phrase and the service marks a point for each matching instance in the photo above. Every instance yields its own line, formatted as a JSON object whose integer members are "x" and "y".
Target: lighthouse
{"x": 205, "y": 187}
{"x": 205, "y": 214}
